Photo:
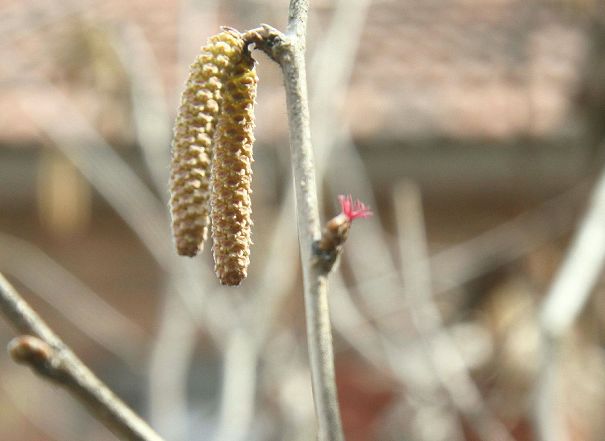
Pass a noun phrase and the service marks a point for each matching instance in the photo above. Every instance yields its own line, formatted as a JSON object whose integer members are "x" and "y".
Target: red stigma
{"x": 353, "y": 210}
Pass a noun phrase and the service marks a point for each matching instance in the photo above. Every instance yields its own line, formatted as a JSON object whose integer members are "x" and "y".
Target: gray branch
{"x": 568, "y": 295}
{"x": 41, "y": 349}
{"x": 289, "y": 52}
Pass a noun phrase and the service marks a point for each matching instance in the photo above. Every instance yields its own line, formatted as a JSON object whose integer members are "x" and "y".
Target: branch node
{"x": 327, "y": 249}
{"x": 269, "y": 40}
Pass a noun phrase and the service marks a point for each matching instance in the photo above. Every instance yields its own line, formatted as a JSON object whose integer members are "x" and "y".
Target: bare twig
{"x": 289, "y": 52}
{"x": 46, "y": 353}
{"x": 319, "y": 333}
{"x": 565, "y": 300}
{"x": 149, "y": 110}
{"x": 276, "y": 280}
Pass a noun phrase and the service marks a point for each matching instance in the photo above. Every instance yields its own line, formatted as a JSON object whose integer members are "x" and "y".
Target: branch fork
{"x": 271, "y": 41}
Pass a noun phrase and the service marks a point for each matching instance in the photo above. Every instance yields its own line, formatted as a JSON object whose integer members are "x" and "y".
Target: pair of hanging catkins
{"x": 212, "y": 154}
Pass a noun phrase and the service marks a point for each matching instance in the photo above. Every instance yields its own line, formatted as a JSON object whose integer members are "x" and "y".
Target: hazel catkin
{"x": 195, "y": 124}
{"x": 232, "y": 174}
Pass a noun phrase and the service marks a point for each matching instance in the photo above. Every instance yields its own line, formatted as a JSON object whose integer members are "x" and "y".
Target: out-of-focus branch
{"x": 237, "y": 397}
{"x": 149, "y": 110}
{"x": 448, "y": 364}
{"x": 565, "y": 300}
{"x": 319, "y": 333}
{"x": 104, "y": 169}
{"x": 45, "y": 352}
{"x": 456, "y": 265}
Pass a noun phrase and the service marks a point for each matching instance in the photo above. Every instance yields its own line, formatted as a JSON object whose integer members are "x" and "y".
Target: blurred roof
{"x": 468, "y": 68}
{"x": 492, "y": 69}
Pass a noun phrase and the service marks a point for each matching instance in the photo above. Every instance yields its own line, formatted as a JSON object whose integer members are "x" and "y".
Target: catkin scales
{"x": 212, "y": 155}
{"x": 232, "y": 174}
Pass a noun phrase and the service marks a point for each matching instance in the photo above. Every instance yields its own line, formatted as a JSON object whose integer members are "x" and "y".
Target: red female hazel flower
{"x": 353, "y": 210}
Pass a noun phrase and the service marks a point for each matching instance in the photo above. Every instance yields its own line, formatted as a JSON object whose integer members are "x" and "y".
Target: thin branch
{"x": 46, "y": 353}
{"x": 297, "y": 24}
{"x": 275, "y": 282}
{"x": 149, "y": 110}
{"x": 289, "y": 52}
{"x": 319, "y": 332}
{"x": 564, "y": 302}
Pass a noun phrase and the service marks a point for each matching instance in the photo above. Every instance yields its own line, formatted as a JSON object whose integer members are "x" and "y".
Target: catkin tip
{"x": 233, "y": 278}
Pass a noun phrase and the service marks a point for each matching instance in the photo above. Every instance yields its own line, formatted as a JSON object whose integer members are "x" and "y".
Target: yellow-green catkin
{"x": 195, "y": 125}
{"x": 232, "y": 174}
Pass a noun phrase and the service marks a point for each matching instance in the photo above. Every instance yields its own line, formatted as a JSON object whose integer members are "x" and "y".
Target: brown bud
{"x": 27, "y": 349}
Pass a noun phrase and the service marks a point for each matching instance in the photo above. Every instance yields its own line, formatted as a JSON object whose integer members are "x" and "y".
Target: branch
{"x": 448, "y": 364}
{"x": 289, "y": 52}
{"x": 45, "y": 352}
{"x": 238, "y": 388}
{"x": 297, "y": 26}
{"x": 563, "y": 304}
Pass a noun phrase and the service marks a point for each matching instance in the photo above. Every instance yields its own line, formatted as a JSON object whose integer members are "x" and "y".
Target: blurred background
{"x": 474, "y": 130}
